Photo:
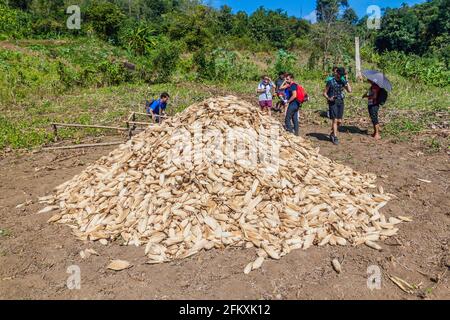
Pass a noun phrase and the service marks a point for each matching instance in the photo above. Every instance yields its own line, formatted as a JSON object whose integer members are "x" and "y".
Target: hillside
{"x": 87, "y": 81}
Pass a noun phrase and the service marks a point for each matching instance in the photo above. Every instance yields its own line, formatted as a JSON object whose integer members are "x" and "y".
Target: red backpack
{"x": 302, "y": 96}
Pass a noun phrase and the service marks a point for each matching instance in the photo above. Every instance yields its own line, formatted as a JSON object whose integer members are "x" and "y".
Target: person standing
{"x": 373, "y": 97}
{"x": 265, "y": 91}
{"x": 294, "y": 101}
{"x": 279, "y": 83}
{"x": 330, "y": 77}
{"x": 334, "y": 93}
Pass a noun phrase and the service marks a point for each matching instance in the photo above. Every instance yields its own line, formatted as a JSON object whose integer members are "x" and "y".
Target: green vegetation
{"x": 127, "y": 51}
{"x": 4, "y": 233}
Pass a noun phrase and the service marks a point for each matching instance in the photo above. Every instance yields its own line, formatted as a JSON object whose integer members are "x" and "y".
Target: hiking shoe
{"x": 335, "y": 141}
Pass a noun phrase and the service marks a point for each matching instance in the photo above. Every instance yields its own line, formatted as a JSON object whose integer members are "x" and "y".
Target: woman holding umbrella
{"x": 376, "y": 96}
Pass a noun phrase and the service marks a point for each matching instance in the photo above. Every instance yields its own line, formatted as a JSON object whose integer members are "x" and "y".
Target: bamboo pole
{"x": 146, "y": 114}
{"x": 90, "y": 145}
{"x": 75, "y": 125}
{"x": 140, "y": 123}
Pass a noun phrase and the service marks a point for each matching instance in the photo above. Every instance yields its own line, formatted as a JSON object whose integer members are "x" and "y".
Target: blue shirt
{"x": 290, "y": 90}
{"x": 157, "y": 106}
{"x": 289, "y": 93}
{"x": 336, "y": 88}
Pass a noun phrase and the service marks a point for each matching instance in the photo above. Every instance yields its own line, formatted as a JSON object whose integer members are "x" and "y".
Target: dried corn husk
{"x": 118, "y": 265}
{"x": 336, "y": 265}
{"x": 145, "y": 192}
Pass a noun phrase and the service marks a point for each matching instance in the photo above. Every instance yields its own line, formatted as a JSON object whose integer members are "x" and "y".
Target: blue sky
{"x": 304, "y": 8}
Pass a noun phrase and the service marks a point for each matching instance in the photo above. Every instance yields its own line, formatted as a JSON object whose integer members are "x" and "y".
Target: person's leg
{"x": 296, "y": 122}
{"x": 334, "y": 127}
{"x": 288, "y": 120}
{"x": 333, "y": 116}
{"x": 340, "y": 115}
{"x": 269, "y": 107}
{"x": 376, "y": 124}
{"x": 261, "y": 106}
{"x": 329, "y": 115}
{"x": 372, "y": 119}
{"x": 376, "y": 134}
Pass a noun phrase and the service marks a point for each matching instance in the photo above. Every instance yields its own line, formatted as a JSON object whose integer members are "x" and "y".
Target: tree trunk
{"x": 358, "y": 59}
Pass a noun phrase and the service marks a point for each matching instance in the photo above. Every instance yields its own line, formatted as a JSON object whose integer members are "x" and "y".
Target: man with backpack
{"x": 376, "y": 97}
{"x": 334, "y": 93}
{"x": 157, "y": 108}
{"x": 329, "y": 78}
{"x": 296, "y": 96}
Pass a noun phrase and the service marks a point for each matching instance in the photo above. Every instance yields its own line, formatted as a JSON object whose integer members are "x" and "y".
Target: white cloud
{"x": 312, "y": 17}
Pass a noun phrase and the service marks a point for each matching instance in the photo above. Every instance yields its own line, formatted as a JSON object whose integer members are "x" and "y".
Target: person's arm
{"x": 293, "y": 97}
{"x": 325, "y": 93}
{"x": 156, "y": 104}
{"x": 259, "y": 90}
{"x": 152, "y": 114}
{"x": 348, "y": 87}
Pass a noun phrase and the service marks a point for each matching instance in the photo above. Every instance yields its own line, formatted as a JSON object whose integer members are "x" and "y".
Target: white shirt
{"x": 267, "y": 95}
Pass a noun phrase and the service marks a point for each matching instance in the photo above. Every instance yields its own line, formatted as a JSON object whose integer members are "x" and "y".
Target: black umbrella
{"x": 379, "y": 78}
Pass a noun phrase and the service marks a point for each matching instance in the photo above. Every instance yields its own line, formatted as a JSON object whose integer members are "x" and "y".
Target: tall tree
{"x": 328, "y": 10}
{"x": 400, "y": 30}
{"x": 350, "y": 16}
{"x": 225, "y": 19}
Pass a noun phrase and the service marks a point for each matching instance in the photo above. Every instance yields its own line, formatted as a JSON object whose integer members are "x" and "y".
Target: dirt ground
{"x": 34, "y": 255}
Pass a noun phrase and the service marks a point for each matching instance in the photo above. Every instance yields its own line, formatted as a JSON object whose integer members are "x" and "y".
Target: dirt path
{"x": 34, "y": 256}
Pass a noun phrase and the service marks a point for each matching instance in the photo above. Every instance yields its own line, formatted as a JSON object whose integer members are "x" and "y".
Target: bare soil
{"x": 35, "y": 255}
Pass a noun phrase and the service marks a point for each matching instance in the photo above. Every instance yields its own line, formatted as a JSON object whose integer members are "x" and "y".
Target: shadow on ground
{"x": 319, "y": 136}
{"x": 353, "y": 130}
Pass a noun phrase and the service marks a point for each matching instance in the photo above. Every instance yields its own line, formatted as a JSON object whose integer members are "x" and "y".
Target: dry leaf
{"x": 118, "y": 265}
{"x": 336, "y": 265}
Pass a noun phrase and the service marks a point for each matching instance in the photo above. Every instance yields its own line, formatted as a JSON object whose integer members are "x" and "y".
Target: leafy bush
{"x": 106, "y": 19}
{"x": 48, "y": 27}
{"x": 430, "y": 71}
{"x": 284, "y": 62}
{"x": 224, "y": 66}
{"x": 13, "y": 23}
{"x": 113, "y": 73}
{"x": 138, "y": 39}
{"x": 164, "y": 58}
{"x": 67, "y": 75}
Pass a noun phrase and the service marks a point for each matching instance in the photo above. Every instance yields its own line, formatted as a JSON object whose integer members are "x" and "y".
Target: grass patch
{"x": 62, "y": 81}
{"x": 433, "y": 144}
{"x": 4, "y": 233}
{"x": 402, "y": 128}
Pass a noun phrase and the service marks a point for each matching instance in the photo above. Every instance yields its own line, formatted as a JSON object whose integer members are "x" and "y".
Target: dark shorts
{"x": 373, "y": 113}
{"x": 336, "y": 109}
{"x": 265, "y": 104}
